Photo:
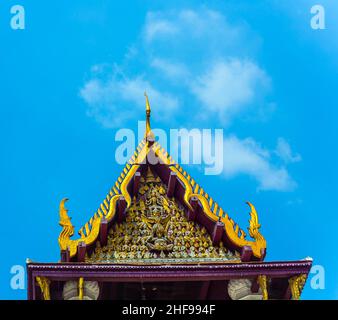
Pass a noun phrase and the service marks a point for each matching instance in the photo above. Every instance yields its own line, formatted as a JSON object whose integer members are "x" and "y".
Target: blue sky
{"x": 77, "y": 73}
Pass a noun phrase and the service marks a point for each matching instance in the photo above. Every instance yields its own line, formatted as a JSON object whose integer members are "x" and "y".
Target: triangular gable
{"x": 208, "y": 210}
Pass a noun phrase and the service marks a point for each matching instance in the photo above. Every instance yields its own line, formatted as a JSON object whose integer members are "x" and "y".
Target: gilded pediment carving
{"x": 156, "y": 229}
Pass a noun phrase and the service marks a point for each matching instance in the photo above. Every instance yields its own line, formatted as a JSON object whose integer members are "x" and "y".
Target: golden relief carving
{"x": 44, "y": 283}
{"x": 296, "y": 285}
{"x": 262, "y": 281}
{"x": 156, "y": 229}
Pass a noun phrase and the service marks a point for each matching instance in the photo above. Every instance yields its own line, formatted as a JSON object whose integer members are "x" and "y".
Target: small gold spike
{"x": 106, "y": 203}
{"x": 211, "y": 203}
{"x": 87, "y": 229}
{"x": 104, "y": 210}
{"x": 215, "y": 208}
{"x": 81, "y": 234}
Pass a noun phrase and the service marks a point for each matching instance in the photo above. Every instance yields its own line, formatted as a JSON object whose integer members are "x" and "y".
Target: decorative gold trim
{"x": 262, "y": 281}
{"x": 232, "y": 232}
{"x": 44, "y": 283}
{"x": 81, "y": 288}
{"x": 296, "y": 285}
{"x": 92, "y": 233}
{"x": 68, "y": 230}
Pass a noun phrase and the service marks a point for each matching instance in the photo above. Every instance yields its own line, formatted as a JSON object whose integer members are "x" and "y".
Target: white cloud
{"x": 207, "y": 56}
{"x": 228, "y": 86}
{"x": 248, "y": 157}
{"x": 187, "y": 27}
{"x": 157, "y": 27}
{"x": 105, "y": 99}
{"x": 196, "y": 56}
{"x": 173, "y": 71}
{"x": 283, "y": 150}
{"x": 199, "y": 61}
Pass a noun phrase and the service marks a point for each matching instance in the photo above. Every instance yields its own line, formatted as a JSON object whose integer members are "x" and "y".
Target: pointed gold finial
{"x": 148, "y": 111}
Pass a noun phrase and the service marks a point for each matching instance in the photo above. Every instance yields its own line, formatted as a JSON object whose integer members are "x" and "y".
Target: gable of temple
{"x": 179, "y": 193}
{"x": 156, "y": 230}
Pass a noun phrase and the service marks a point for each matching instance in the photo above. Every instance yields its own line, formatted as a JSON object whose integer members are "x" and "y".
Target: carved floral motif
{"x": 156, "y": 228}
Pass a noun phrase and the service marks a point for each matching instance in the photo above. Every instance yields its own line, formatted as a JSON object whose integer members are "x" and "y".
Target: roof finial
{"x": 148, "y": 111}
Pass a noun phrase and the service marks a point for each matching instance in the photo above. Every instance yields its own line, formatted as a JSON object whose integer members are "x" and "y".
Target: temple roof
{"x": 195, "y": 202}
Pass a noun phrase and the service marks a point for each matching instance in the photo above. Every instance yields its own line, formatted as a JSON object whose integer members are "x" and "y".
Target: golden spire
{"x": 148, "y": 111}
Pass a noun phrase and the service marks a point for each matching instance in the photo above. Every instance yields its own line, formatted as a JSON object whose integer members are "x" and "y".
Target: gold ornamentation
{"x": 81, "y": 288}
{"x": 155, "y": 230}
{"x": 234, "y": 234}
{"x": 44, "y": 283}
{"x": 262, "y": 281}
{"x": 254, "y": 226}
{"x": 148, "y": 131}
{"x": 68, "y": 228}
{"x": 68, "y": 231}
{"x": 296, "y": 285}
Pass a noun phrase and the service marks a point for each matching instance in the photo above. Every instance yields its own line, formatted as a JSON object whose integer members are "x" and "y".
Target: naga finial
{"x": 66, "y": 224}
{"x": 64, "y": 218}
{"x": 253, "y": 222}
